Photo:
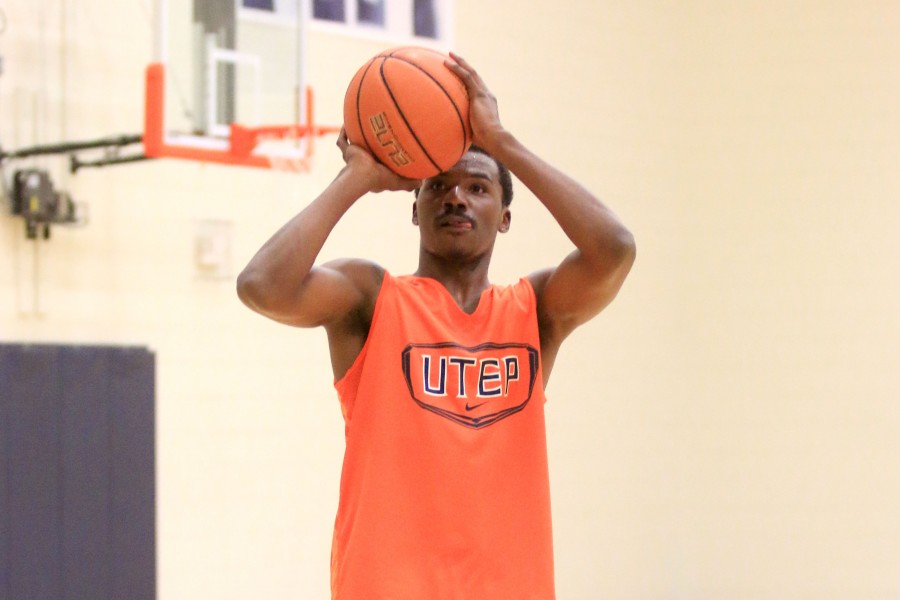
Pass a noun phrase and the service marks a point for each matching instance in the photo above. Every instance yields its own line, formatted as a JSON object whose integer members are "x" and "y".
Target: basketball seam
{"x": 358, "y": 114}
{"x": 394, "y": 51}
{"x": 442, "y": 88}
{"x": 402, "y": 116}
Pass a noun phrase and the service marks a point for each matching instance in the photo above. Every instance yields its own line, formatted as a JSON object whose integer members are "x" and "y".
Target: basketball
{"x": 410, "y": 111}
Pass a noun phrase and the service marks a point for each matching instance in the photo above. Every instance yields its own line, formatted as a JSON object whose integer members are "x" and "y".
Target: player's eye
{"x": 436, "y": 185}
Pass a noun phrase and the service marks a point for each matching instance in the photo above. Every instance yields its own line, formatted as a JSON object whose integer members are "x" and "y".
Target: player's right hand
{"x": 363, "y": 165}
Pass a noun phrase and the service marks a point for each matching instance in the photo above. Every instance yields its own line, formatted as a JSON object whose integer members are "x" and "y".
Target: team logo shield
{"x": 472, "y": 386}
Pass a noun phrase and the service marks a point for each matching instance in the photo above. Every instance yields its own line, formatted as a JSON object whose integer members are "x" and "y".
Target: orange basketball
{"x": 410, "y": 111}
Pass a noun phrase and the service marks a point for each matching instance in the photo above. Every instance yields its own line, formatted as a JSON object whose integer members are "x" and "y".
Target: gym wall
{"x": 727, "y": 428}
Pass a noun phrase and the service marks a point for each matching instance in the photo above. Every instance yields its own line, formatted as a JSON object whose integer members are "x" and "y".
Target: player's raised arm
{"x": 281, "y": 282}
{"x": 591, "y": 276}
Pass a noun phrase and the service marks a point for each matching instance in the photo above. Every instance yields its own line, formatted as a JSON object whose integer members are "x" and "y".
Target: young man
{"x": 441, "y": 375}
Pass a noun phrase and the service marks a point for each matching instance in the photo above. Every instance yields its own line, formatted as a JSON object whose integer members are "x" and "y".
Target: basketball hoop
{"x": 287, "y": 148}
{"x": 290, "y": 165}
{"x": 289, "y": 154}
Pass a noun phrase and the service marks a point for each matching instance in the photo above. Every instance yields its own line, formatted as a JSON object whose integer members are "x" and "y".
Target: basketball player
{"x": 444, "y": 491}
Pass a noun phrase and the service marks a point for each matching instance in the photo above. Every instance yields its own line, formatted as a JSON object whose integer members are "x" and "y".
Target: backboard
{"x": 227, "y": 84}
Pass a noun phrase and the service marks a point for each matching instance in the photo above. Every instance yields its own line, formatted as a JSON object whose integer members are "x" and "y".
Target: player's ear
{"x": 415, "y": 216}
{"x": 505, "y": 221}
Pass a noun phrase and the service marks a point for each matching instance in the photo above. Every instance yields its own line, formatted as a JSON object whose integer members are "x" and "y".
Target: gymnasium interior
{"x": 727, "y": 429}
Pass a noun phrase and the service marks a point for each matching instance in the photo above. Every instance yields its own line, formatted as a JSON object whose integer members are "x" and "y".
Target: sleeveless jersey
{"x": 444, "y": 490}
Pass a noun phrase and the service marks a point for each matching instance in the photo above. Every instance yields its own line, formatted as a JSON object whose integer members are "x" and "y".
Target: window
{"x": 370, "y": 11}
{"x": 330, "y": 10}
{"x": 260, "y": 4}
{"x": 390, "y": 19}
{"x": 424, "y": 19}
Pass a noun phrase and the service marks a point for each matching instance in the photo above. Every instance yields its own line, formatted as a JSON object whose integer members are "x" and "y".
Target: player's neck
{"x": 464, "y": 280}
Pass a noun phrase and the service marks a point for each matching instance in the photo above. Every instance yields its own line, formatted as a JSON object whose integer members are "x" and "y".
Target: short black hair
{"x": 506, "y": 185}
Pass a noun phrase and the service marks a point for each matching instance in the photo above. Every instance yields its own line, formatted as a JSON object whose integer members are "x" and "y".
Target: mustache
{"x": 459, "y": 212}
{"x": 454, "y": 215}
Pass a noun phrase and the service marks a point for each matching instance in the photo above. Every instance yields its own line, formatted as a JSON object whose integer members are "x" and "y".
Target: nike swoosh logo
{"x": 474, "y": 406}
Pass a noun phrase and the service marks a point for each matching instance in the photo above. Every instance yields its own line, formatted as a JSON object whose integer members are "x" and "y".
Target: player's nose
{"x": 454, "y": 196}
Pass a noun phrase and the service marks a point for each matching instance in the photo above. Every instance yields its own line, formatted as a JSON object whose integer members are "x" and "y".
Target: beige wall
{"x": 728, "y": 428}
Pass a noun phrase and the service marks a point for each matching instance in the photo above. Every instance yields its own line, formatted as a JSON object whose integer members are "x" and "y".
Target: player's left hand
{"x": 484, "y": 113}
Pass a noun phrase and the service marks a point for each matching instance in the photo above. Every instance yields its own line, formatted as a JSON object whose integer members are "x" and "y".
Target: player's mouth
{"x": 457, "y": 223}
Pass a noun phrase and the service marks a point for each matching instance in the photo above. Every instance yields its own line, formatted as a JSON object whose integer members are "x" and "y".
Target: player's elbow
{"x": 258, "y": 292}
{"x": 271, "y": 298}
{"x": 249, "y": 289}
{"x": 628, "y": 247}
{"x": 618, "y": 249}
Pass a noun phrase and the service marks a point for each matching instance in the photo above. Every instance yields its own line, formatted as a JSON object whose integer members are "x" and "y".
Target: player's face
{"x": 460, "y": 211}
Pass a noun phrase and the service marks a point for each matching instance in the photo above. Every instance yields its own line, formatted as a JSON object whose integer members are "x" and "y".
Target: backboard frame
{"x": 286, "y": 147}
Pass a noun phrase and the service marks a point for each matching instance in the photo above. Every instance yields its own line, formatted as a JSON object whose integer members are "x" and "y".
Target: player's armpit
{"x": 579, "y": 288}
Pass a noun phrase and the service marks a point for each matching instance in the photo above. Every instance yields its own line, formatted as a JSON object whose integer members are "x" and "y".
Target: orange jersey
{"x": 445, "y": 489}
